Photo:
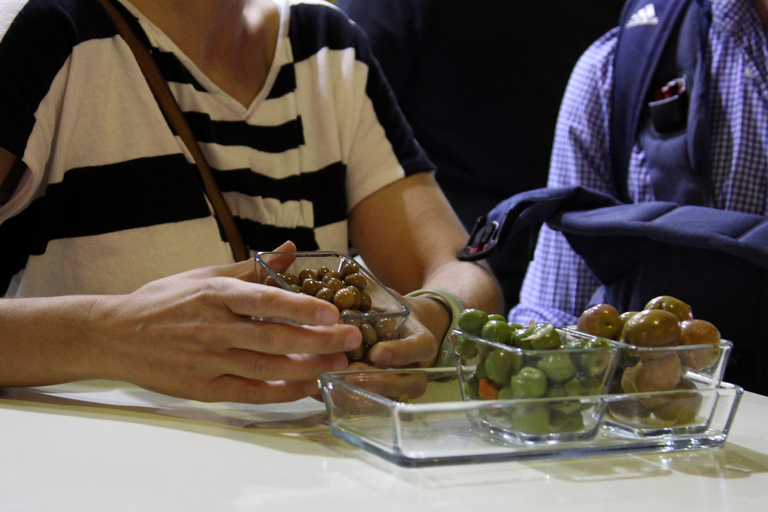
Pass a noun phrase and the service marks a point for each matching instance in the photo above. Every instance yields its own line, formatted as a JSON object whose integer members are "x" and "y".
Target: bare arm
{"x": 408, "y": 235}
{"x": 191, "y": 335}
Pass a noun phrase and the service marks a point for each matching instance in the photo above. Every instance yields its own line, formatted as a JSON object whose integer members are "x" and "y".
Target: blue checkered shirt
{"x": 558, "y": 285}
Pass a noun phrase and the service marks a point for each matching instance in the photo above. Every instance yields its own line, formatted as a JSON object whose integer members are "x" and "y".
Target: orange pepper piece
{"x": 487, "y": 390}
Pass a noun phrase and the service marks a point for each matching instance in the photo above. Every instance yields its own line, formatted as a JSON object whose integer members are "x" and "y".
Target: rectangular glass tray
{"x": 438, "y": 428}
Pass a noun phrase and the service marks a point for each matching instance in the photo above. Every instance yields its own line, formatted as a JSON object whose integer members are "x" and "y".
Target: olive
{"x": 385, "y": 328}
{"x": 348, "y": 267}
{"x": 675, "y": 306}
{"x": 594, "y": 362}
{"x": 311, "y": 286}
{"x": 332, "y": 274}
{"x": 358, "y": 280}
{"x": 320, "y": 273}
{"x": 369, "y": 334}
{"x": 497, "y": 331}
{"x": 472, "y": 321}
{"x": 325, "y": 294}
{"x": 557, "y": 367}
{"x": 365, "y": 302}
{"x": 290, "y": 278}
{"x": 681, "y": 408}
{"x": 331, "y": 282}
{"x": 344, "y": 298}
{"x": 544, "y": 337}
{"x": 658, "y": 374}
{"x": 699, "y": 332}
{"x": 501, "y": 364}
{"x": 532, "y": 419}
{"x": 601, "y": 320}
{"x": 357, "y": 354}
{"x": 307, "y": 273}
{"x": 652, "y": 328}
{"x": 565, "y": 417}
{"x": 466, "y": 348}
{"x": 529, "y": 382}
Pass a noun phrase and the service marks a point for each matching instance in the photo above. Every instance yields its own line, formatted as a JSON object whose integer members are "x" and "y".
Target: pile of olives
{"x": 345, "y": 288}
{"x": 658, "y": 359}
{"x": 537, "y": 361}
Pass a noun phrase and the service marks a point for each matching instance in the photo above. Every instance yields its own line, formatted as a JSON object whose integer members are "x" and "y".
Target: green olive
{"x": 544, "y": 337}
{"x": 557, "y": 367}
{"x": 471, "y": 321}
{"x": 497, "y": 331}
{"x": 466, "y": 347}
{"x": 529, "y": 382}
{"x": 501, "y": 364}
{"x": 530, "y": 419}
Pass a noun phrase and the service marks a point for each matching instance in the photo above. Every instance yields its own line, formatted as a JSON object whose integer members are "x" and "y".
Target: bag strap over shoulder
{"x": 176, "y": 118}
{"x": 660, "y": 97}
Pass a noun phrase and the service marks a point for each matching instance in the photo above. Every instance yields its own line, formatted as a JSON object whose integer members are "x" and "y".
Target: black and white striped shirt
{"x": 111, "y": 199}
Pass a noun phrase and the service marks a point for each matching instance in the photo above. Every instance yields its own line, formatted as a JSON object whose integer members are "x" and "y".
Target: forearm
{"x": 45, "y": 341}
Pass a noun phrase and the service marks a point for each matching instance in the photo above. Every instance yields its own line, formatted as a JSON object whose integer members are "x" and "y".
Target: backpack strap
{"x": 660, "y": 97}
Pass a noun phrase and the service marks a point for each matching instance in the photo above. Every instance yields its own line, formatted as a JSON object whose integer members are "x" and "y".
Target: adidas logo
{"x": 645, "y": 16}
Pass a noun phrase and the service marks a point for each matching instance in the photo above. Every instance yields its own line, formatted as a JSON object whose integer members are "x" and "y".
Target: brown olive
{"x": 652, "y": 328}
{"x": 325, "y": 294}
{"x": 307, "y": 273}
{"x": 290, "y": 278}
{"x": 271, "y": 281}
{"x": 332, "y": 282}
{"x": 385, "y": 328}
{"x": 344, "y": 298}
{"x": 348, "y": 267}
{"x": 675, "y": 306}
{"x": 321, "y": 271}
{"x": 332, "y": 274}
{"x": 365, "y": 302}
{"x": 369, "y": 334}
{"x": 311, "y": 286}
{"x": 357, "y": 280}
{"x": 357, "y": 354}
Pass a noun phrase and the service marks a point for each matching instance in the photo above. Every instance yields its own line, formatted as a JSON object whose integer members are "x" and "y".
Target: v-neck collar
{"x": 160, "y": 40}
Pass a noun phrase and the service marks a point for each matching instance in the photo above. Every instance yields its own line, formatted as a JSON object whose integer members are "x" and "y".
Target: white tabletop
{"x": 100, "y": 446}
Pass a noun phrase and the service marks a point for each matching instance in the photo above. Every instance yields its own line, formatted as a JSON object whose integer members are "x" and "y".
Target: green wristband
{"x": 446, "y": 357}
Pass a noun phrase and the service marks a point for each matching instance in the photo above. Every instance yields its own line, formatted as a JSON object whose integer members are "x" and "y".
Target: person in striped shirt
{"x": 112, "y": 264}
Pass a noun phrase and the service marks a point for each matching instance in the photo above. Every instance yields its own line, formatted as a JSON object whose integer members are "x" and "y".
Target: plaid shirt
{"x": 558, "y": 285}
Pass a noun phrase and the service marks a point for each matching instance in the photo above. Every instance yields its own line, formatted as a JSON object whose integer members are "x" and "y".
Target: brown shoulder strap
{"x": 173, "y": 112}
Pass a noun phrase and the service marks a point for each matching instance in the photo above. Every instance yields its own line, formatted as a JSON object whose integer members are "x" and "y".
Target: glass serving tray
{"x": 421, "y": 420}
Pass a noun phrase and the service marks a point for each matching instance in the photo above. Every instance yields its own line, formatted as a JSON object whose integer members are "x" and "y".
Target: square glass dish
{"x": 549, "y": 393}
{"x": 418, "y": 418}
{"x": 361, "y": 298}
{"x": 662, "y": 384}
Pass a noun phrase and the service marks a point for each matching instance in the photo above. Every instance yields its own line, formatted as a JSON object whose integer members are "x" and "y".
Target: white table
{"x": 102, "y": 446}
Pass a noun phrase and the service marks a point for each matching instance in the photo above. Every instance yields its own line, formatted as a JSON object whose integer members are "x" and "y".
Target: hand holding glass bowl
{"x": 362, "y": 300}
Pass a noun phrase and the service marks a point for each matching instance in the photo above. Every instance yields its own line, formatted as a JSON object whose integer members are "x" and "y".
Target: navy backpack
{"x": 715, "y": 260}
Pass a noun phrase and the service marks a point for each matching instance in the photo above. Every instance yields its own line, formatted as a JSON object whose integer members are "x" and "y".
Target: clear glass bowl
{"x": 380, "y": 316}
{"x": 662, "y": 384}
{"x": 418, "y": 418}
{"x": 544, "y": 396}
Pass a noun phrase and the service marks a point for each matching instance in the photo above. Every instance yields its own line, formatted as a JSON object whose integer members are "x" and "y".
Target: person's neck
{"x": 231, "y": 41}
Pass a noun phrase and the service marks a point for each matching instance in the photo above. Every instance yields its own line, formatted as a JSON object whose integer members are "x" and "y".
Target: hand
{"x": 423, "y": 332}
{"x": 193, "y": 335}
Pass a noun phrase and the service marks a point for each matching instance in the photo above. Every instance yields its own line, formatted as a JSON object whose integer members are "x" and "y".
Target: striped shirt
{"x": 558, "y": 285}
{"x": 111, "y": 199}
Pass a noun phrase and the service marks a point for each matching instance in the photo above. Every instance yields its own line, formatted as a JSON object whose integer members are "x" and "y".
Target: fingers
{"x": 269, "y": 367}
{"x": 230, "y": 388}
{"x": 280, "y": 338}
{"x": 407, "y": 351}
